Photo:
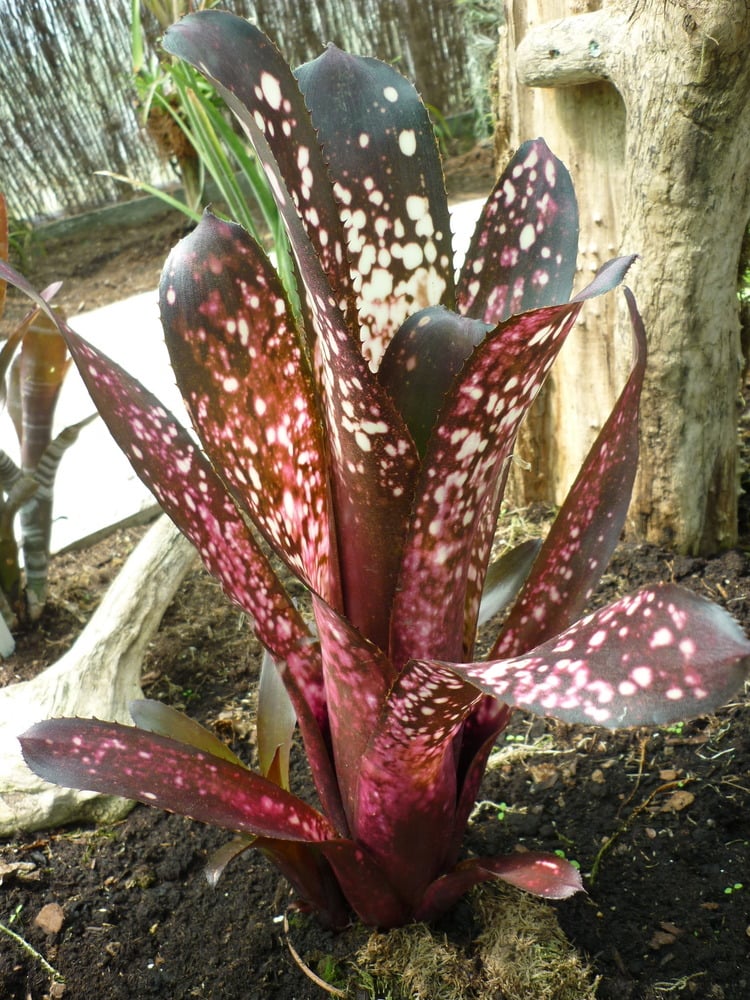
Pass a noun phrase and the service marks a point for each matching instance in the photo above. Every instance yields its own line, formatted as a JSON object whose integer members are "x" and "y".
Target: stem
{"x": 30, "y": 950}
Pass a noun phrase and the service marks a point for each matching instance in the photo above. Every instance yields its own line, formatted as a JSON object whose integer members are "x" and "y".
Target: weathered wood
{"x": 98, "y": 677}
{"x": 673, "y": 166}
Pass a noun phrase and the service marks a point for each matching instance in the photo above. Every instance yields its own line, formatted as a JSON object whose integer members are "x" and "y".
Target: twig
{"x": 30, "y": 950}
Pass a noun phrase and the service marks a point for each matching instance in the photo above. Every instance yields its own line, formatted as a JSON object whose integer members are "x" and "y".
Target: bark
{"x": 671, "y": 159}
{"x": 97, "y": 678}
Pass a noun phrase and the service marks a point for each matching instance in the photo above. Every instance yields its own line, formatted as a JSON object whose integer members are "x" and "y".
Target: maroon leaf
{"x": 585, "y": 532}
{"x": 122, "y": 760}
{"x": 233, "y": 345}
{"x": 522, "y": 255}
{"x": 372, "y": 456}
{"x": 541, "y": 874}
{"x": 421, "y": 363}
{"x": 166, "y": 459}
{"x": 251, "y": 76}
{"x": 466, "y": 456}
{"x": 358, "y": 677}
{"x": 375, "y": 900}
{"x": 379, "y": 145}
{"x": 406, "y": 787}
{"x": 647, "y": 659}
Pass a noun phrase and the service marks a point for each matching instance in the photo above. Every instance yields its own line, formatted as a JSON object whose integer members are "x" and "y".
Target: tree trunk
{"x": 646, "y": 101}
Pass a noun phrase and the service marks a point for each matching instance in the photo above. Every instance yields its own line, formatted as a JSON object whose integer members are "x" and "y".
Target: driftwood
{"x": 98, "y": 677}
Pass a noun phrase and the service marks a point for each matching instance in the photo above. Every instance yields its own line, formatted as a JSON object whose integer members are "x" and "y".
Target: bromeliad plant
{"x": 369, "y": 447}
{"x": 33, "y": 364}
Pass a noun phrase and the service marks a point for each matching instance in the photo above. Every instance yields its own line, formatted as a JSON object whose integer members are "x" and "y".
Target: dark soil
{"x": 659, "y": 821}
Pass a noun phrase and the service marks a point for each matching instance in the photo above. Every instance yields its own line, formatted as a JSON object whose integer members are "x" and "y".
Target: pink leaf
{"x": 543, "y": 875}
{"x": 647, "y": 659}
{"x": 122, "y": 760}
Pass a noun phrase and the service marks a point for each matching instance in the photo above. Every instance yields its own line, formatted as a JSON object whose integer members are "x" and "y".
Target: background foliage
{"x": 67, "y": 103}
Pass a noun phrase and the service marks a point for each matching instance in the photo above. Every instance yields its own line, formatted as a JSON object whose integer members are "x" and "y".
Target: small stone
{"x": 50, "y": 918}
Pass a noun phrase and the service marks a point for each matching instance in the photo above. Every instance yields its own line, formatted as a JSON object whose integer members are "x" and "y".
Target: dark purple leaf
{"x": 647, "y": 659}
{"x": 379, "y": 144}
{"x": 234, "y": 349}
{"x": 523, "y": 252}
{"x": 122, "y": 760}
{"x": 583, "y": 537}
{"x": 421, "y": 362}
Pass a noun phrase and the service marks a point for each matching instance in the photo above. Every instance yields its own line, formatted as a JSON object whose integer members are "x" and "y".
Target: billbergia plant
{"x": 33, "y": 363}
{"x": 366, "y": 445}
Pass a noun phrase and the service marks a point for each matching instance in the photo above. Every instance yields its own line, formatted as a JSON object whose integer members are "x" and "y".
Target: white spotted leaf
{"x": 657, "y": 655}
{"x": 523, "y": 252}
{"x": 123, "y": 760}
{"x": 380, "y": 148}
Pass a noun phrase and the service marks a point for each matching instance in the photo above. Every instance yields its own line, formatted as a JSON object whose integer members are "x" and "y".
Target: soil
{"x": 658, "y": 820}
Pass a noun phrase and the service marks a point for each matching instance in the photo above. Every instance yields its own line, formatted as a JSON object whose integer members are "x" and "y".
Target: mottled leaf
{"x": 233, "y": 345}
{"x": 183, "y": 481}
{"x": 122, "y": 760}
{"x": 373, "y": 459}
{"x": 543, "y": 875}
{"x": 654, "y": 656}
{"x": 585, "y": 532}
{"x": 466, "y": 456}
{"x": 379, "y": 145}
{"x": 522, "y": 255}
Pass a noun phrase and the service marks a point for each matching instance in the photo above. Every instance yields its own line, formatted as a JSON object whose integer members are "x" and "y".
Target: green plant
{"x": 369, "y": 445}
{"x": 33, "y": 364}
{"x": 189, "y": 124}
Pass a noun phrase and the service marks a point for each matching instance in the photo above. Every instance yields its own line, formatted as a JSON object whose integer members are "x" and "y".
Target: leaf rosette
{"x": 366, "y": 440}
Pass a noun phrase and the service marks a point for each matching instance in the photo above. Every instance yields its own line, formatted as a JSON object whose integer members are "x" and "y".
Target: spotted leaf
{"x": 585, "y": 532}
{"x": 543, "y": 875}
{"x": 421, "y": 362}
{"x": 373, "y": 462}
{"x": 466, "y": 456}
{"x": 406, "y": 785}
{"x": 659, "y": 654}
{"x": 233, "y": 344}
{"x": 379, "y": 145}
{"x": 523, "y": 252}
{"x": 122, "y": 760}
{"x": 249, "y": 72}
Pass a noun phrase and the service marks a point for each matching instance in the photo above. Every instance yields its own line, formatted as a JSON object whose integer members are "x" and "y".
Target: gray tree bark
{"x": 647, "y": 102}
